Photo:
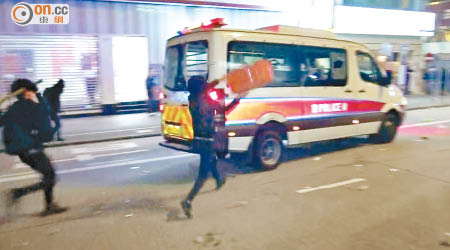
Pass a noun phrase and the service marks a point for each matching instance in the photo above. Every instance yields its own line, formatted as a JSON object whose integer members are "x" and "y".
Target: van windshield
{"x": 184, "y": 61}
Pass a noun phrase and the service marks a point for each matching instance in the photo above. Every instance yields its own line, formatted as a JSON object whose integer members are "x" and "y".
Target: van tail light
{"x": 162, "y": 96}
{"x": 216, "y": 95}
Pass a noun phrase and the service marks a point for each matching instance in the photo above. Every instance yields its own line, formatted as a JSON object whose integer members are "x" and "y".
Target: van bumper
{"x": 177, "y": 146}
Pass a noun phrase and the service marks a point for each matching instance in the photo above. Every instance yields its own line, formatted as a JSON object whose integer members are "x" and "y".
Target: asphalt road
{"x": 144, "y": 161}
{"x": 344, "y": 194}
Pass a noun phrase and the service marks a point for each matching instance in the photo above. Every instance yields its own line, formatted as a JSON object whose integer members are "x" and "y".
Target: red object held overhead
{"x": 253, "y": 76}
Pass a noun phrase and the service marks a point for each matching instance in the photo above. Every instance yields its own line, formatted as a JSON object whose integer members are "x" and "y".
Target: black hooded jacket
{"x": 26, "y": 125}
{"x": 52, "y": 95}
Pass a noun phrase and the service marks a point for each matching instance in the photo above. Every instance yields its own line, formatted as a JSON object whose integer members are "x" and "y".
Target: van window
{"x": 324, "y": 67}
{"x": 284, "y": 59}
{"x": 184, "y": 61}
{"x": 196, "y": 59}
{"x": 368, "y": 69}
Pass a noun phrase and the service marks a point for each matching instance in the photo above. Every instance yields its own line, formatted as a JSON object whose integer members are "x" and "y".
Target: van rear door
{"x": 182, "y": 62}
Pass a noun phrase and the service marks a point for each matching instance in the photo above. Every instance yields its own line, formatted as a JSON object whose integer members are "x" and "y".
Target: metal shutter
{"x": 72, "y": 58}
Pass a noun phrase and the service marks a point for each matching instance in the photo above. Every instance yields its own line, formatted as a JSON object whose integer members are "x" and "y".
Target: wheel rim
{"x": 270, "y": 151}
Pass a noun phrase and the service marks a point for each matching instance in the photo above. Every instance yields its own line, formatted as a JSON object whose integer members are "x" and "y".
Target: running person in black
{"x": 202, "y": 112}
{"x": 26, "y": 127}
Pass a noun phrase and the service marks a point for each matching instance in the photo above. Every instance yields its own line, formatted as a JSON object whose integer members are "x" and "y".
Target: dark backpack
{"x": 18, "y": 136}
{"x": 16, "y": 139}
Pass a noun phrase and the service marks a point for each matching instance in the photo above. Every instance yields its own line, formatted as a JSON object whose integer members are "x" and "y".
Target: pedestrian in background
{"x": 408, "y": 79}
{"x": 26, "y": 127}
{"x": 53, "y": 98}
{"x": 152, "y": 85}
{"x": 203, "y": 112}
{"x": 443, "y": 81}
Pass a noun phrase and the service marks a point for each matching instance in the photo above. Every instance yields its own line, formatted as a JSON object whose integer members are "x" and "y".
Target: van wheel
{"x": 268, "y": 150}
{"x": 387, "y": 131}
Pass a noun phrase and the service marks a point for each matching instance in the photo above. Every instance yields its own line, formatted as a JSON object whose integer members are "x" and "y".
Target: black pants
{"x": 39, "y": 162}
{"x": 58, "y": 126}
{"x": 55, "y": 117}
{"x": 208, "y": 162}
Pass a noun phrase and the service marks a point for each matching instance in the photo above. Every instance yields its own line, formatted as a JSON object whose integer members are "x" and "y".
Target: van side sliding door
{"x": 328, "y": 95}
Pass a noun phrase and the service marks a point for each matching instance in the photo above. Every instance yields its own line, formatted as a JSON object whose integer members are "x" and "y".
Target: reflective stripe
{"x": 177, "y": 122}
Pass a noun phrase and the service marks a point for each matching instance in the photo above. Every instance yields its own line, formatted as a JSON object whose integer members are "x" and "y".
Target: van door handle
{"x": 348, "y": 91}
{"x": 362, "y": 91}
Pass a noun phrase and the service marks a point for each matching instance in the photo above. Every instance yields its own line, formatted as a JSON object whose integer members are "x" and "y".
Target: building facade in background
{"x": 437, "y": 51}
{"x": 105, "y": 51}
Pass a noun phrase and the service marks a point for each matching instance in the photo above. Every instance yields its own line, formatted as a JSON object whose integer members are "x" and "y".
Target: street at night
{"x": 225, "y": 125}
{"x": 343, "y": 194}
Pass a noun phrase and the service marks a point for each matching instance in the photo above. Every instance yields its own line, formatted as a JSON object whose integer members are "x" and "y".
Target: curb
{"x": 128, "y": 137}
{"x": 428, "y": 107}
{"x": 62, "y": 144}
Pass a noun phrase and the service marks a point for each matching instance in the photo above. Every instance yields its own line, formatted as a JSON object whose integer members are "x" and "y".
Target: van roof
{"x": 292, "y": 30}
{"x": 280, "y": 30}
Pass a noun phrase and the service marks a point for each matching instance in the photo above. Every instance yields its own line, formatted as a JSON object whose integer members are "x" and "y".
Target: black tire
{"x": 268, "y": 149}
{"x": 387, "y": 131}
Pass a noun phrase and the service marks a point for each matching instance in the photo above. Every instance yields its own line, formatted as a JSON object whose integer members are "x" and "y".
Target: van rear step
{"x": 177, "y": 146}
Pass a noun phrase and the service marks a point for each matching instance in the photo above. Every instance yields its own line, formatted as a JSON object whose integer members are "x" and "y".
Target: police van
{"x": 323, "y": 88}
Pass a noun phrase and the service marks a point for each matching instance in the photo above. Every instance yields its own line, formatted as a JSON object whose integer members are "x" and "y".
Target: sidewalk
{"x": 422, "y": 102}
{"x": 106, "y": 128}
{"x": 129, "y": 126}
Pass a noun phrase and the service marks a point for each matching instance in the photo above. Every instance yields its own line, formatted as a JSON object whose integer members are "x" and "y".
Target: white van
{"x": 324, "y": 88}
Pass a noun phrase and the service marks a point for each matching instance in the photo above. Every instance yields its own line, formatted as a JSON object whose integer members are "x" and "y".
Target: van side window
{"x": 284, "y": 59}
{"x": 324, "y": 67}
{"x": 196, "y": 59}
{"x": 368, "y": 69}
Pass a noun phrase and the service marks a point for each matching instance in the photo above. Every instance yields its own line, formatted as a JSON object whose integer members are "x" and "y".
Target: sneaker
{"x": 186, "y": 205}
{"x": 60, "y": 139}
{"x": 54, "y": 209}
{"x": 11, "y": 200}
{"x": 12, "y": 197}
{"x": 220, "y": 183}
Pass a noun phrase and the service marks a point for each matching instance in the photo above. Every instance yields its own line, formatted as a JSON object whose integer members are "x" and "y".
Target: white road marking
{"x": 17, "y": 178}
{"x": 17, "y": 174}
{"x": 86, "y": 157}
{"x": 144, "y": 131}
{"x": 424, "y": 124}
{"x": 105, "y": 155}
{"x": 342, "y": 183}
{"x": 63, "y": 160}
{"x": 112, "y": 147}
{"x": 96, "y": 167}
{"x": 122, "y": 153}
{"x": 133, "y": 168}
{"x": 109, "y": 131}
{"x": 20, "y": 166}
